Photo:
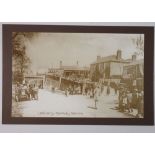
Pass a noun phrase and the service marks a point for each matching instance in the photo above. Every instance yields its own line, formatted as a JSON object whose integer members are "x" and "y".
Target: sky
{"x": 46, "y": 50}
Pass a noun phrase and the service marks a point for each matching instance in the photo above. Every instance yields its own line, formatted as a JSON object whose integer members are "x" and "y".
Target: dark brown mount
{"x": 148, "y": 71}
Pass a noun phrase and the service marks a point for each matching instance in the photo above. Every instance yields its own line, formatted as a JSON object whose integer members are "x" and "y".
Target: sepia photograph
{"x": 77, "y": 75}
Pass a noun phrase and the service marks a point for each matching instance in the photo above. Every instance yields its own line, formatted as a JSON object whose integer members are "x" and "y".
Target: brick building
{"x": 109, "y": 68}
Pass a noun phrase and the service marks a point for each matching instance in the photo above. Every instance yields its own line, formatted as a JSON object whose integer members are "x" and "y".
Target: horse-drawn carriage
{"x": 25, "y": 93}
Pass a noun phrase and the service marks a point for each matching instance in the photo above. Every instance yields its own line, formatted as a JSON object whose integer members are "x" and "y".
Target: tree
{"x": 139, "y": 43}
{"x": 21, "y": 62}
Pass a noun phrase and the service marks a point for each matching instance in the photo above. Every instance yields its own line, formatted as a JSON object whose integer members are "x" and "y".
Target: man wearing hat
{"x": 135, "y": 98}
{"x": 129, "y": 101}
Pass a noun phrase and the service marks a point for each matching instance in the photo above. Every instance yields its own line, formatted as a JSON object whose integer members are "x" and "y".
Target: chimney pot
{"x": 60, "y": 64}
{"x": 134, "y": 57}
{"x": 119, "y": 54}
{"x": 98, "y": 58}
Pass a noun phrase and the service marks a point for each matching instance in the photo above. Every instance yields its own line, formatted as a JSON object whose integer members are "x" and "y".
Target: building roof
{"x": 71, "y": 68}
{"x": 34, "y": 76}
{"x": 111, "y": 58}
{"x": 107, "y": 58}
{"x": 74, "y": 68}
{"x": 140, "y": 61}
{"x": 68, "y": 67}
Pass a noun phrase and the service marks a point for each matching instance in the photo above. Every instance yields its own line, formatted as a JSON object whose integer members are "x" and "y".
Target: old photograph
{"x": 77, "y": 75}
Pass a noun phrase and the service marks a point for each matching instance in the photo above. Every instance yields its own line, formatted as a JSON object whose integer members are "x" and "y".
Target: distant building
{"x": 64, "y": 75}
{"x": 109, "y": 67}
{"x": 37, "y": 80}
{"x": 67, "y": 71}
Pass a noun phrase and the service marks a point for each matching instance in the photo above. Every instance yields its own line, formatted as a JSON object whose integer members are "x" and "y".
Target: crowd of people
{"x": 96, "y": 92}
{"x": 131, "y": 99}
{"x": 91, "y": 90}
{"x": 77, "y": 78}
{"x": 26, "y": 91}
{"x": 73, "y": 90}
{"x": 128, "y": 100}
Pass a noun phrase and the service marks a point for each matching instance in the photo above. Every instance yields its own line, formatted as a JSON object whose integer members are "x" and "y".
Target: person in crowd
{"x": 52, "y": 88}
{"x": 78, "y": 89}
{"x": 35, "y": 89}
{"x": 96, "y": 95}
{"x": 102, "y": 88}
{"x": 140, "y": 104}
{"x": 108, "y": 89}
{"x": 69, "y": 90}
{"x": 91, "y": 92}
{"x": 72, "y": 90}
{"x": 18, "y": 87}
{"x": 129, "y": 101}
{"x": 26, "y": 90}
{"x": 83, "y": 90}
{"x": 134, "y": 98}
{"x": 66, "y": 92}
{"x": 86, "y": 91}
{"x": 115, "y": 89}
{"x": 17, "y": 91}
{"x": 120, "y": 98}
{"x": 32, "y": 95}
{"x": 123, "y": 102}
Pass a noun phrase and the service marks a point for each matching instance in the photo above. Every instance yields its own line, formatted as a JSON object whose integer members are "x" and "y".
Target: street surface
{"x": 57, "y": 104}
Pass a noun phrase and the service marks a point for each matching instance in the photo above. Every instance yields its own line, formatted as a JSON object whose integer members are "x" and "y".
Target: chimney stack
{"x": 134, "y": 57}
{"x": 119, "y": 54}
{"x": 60, "y": 64}
{"x": 98, "y": 58}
